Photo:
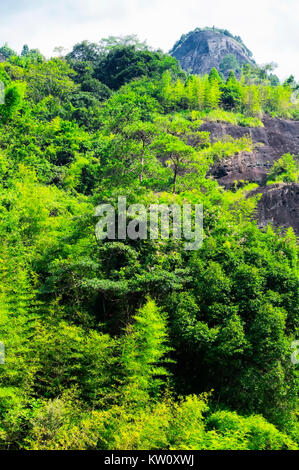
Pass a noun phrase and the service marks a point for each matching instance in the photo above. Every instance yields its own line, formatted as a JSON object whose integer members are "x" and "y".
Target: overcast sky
{"x": 270, "y": 28}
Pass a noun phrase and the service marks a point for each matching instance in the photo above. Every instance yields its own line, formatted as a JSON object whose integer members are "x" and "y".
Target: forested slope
{"x": 139, "y": 344}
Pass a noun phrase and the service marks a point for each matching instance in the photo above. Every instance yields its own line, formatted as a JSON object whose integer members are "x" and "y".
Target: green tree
{"x": 285, "y": 169}
{"x": 14, "y": 95}
{"x": 231, "y": 97}
{"x": 144, "y": 350}
{"x": 7, "y": 52}
{"x": 229, "y": 63}
{"x": 176, "y": 154}
{"x": 25, "y": 50}
{"x": 214, "y": 75}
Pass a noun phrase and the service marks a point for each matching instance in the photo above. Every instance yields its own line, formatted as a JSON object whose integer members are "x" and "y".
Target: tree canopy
{"x": 139, "y": 343}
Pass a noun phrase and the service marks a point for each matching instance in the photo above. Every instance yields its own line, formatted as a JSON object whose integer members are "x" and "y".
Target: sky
{"x": 269, "y": 28}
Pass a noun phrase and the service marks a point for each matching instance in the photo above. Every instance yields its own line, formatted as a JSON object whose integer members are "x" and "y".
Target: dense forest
{"x": 139, "y": 344}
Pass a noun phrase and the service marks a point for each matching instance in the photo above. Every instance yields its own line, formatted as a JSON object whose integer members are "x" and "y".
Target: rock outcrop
{"x": 199, "y": 51}
{"x": 278, "y": 136}
{"x": 279, "y": 205}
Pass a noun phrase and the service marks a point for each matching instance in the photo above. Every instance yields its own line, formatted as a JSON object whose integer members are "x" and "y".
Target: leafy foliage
{"x": 284, "y": 170}
{"x": 118, "y": 344}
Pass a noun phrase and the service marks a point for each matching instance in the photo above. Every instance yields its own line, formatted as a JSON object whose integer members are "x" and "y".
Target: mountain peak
{"x": 204, "y": 48}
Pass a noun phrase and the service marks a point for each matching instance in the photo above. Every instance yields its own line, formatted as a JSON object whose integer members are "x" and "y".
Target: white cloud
{"x": 268, "y": 27}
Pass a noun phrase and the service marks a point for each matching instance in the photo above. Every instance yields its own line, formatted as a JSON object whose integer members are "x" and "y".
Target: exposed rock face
{"x": 279, "y": 205}
{"x": 279, "y": 136}
{"x": 203, "y": 50}
{"x": 200, "y": 51}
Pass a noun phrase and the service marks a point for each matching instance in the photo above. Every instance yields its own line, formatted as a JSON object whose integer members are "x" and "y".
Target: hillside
{"x": 278, "y": 205}
{"x": 275, "y": 138}
{"x": 201, "y": 50}
{"x": 117, "y": 333}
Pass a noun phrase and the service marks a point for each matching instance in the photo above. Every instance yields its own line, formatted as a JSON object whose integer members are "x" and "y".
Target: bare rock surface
{"x": 279, "y": 205}
{"x": 278, "y": 136}
{"x": 200, "y": 51}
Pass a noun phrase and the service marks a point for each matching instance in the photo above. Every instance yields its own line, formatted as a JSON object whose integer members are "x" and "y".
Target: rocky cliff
{"x": 278, "y": 136}
{"x": 201, "y": 50}
{"x": 279, "y": 203}
{"x": 198, "y": 52}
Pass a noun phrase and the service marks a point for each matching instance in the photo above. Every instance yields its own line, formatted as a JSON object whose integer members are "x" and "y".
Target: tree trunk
{"x": 174, "y": 181}
{"x": 141, "y": 174}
